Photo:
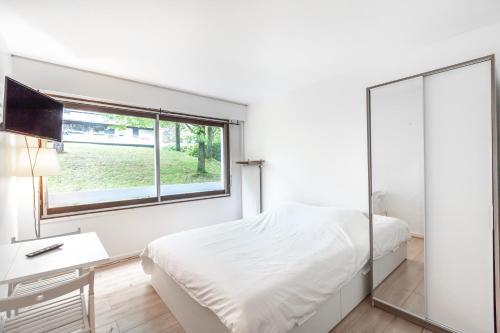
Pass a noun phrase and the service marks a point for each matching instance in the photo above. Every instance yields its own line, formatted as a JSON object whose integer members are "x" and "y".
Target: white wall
{"x": 250, "y": 196}
{"x": 128, "y": 231}
{"x": 313, "y": 142}
{"x": 314, "y": 139}
{"x": 397, "y": 132}
{"x": 46, "y": 76}
{"x": 8, "y": 225}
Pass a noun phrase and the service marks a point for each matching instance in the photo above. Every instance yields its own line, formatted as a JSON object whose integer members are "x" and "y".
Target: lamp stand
{"x": 37, "y": 162}
{"x": 40, "y": 199}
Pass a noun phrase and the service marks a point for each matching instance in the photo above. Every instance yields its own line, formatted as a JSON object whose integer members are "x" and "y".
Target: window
{"x": 191, "y": 158}
{"x": 115, "y": 158}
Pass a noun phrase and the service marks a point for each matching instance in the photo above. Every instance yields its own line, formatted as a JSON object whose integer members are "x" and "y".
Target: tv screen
{"x": 29, "y": 112}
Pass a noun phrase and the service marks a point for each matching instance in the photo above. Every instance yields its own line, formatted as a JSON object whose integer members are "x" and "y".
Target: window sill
{"x": 87, "y": 214}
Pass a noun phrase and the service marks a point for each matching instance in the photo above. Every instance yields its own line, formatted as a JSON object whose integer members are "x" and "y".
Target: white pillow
{"x": 378, "y": 203}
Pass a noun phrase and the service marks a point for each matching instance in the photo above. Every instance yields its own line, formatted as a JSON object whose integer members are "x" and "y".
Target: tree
{"x": 122, "y": 122}
{"x": 178, "y": 136}
{"x": 199, "y": 132}
{"x": 210, "y": 140}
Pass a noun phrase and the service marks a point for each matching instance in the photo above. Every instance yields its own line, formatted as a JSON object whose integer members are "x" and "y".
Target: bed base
{"x": 195, "y": 318}
{"x": 385, "y": 265}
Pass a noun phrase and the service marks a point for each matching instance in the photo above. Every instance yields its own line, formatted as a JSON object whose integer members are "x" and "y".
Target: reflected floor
{"x": 405, "y": 286}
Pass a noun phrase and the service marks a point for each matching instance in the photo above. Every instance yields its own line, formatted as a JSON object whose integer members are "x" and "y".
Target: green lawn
{"x": 92, "y": 167}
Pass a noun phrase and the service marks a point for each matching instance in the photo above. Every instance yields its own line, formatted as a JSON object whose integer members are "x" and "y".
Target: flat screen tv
{"x": 29, "y": 112}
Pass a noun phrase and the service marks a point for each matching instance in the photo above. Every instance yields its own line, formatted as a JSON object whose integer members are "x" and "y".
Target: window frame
{"x": 48, "y": 213}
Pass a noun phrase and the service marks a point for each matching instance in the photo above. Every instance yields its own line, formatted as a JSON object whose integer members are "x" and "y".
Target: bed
{"x": 294, "y": 269}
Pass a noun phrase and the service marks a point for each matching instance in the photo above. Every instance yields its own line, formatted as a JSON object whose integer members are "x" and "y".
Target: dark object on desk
{"x": 45, "y": 249}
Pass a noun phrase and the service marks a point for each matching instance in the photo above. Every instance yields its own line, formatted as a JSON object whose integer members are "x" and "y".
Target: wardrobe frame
{"x": 495, "y": 118}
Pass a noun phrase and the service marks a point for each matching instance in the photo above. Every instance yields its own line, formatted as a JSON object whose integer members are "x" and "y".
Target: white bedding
{"x": 388, "y": 234}
{"x": 270, "y": 272}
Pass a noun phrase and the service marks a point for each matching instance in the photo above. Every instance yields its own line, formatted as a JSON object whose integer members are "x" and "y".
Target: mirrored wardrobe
{"x": 433, "y": 183}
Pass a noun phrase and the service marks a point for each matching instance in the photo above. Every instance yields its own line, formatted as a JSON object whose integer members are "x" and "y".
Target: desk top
{"x": 79, "y": 251}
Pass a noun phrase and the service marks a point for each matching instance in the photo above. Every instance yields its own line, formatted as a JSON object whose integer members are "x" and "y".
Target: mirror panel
{"x": 398, "y": 194}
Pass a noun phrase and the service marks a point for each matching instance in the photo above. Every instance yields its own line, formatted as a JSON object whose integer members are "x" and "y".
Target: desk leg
{"x": 10, "y": 290}
{"x": 81, "y": 271}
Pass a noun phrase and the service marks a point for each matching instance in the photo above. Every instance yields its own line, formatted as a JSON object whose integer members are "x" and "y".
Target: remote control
{"x": 45, "y": 249}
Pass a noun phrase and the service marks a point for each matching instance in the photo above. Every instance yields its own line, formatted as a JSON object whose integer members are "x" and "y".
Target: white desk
{"x": 79, "y": 251}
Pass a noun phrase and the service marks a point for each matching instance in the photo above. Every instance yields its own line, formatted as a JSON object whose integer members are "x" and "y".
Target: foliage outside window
{"x": 109, "y": 160}
{"x": 192, "y": 154}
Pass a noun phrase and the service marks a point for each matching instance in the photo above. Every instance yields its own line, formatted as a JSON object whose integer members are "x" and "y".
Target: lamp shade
{"x": 45, "y": 162}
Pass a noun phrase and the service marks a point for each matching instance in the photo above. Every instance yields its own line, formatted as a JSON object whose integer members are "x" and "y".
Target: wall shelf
{"x": 250, "y": 163}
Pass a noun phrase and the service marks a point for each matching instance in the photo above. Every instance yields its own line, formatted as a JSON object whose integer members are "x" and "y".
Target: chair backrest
{"x": 13, "y": 240}
{"x": 18, "y": 302}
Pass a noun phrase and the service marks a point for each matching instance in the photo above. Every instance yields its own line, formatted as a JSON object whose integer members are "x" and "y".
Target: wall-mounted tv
{"x": 29, "y": 112}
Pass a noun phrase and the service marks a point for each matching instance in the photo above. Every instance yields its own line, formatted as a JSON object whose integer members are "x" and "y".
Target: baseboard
{"x": 434, "y": 327}
{"x": 416, "y": 235}
{"x": 121, "y": 258}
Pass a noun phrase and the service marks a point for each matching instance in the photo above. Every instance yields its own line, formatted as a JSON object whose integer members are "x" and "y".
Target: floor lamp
{"x": 37, "y": 162}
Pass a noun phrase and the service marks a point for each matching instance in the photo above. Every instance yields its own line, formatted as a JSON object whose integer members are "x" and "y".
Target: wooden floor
{"x": 126, "y": 302}
{"x": 405, "y": 286}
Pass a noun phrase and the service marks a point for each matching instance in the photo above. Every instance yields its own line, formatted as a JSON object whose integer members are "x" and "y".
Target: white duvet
{"x": 267, "y": 273}
{"x": 389, "y": 233}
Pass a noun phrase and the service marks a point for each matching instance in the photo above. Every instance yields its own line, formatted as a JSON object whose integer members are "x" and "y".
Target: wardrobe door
{"x": 397, "y": 191}
{"x": 458, "y": 200}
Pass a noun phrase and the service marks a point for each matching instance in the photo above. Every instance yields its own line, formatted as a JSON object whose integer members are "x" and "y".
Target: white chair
{"x": 60, "y": 308}
{"x": 13, "y": 240}
{"x": 47, "y": 281}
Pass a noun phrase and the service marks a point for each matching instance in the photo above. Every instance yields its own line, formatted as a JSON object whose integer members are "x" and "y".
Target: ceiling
{"x": 238, "y": 50}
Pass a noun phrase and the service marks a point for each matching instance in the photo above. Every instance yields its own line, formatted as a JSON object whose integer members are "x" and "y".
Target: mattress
{"x": 388, "y": 234}
{"x": 270, "y": 272}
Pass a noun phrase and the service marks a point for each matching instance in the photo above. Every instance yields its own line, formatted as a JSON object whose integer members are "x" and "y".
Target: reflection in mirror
{"x": 397, "y": 151}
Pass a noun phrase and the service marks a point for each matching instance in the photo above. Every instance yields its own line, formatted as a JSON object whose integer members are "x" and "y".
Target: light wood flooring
{"x": 126, "y": 302}
{"x": 405, "y": 286}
